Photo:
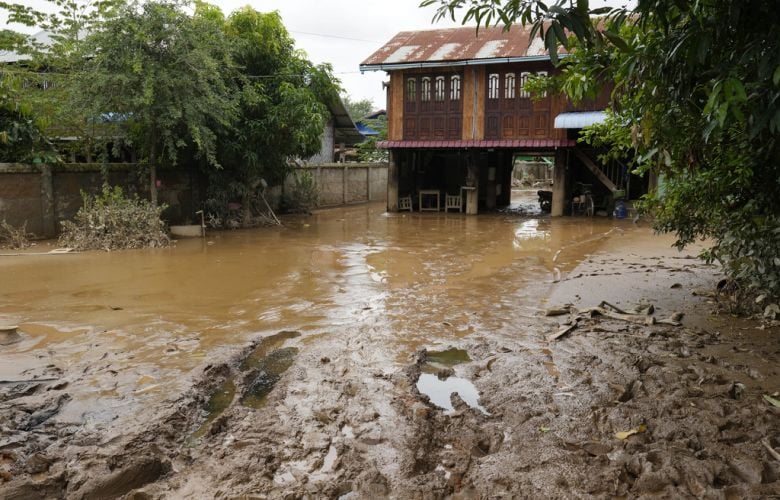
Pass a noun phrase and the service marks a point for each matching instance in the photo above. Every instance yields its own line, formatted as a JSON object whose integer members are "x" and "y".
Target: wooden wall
{"x": 474, "y": 96}
{"x": 395, "y": 112}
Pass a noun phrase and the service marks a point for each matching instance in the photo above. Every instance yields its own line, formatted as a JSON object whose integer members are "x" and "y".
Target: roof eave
{"x": 441, "y": 64}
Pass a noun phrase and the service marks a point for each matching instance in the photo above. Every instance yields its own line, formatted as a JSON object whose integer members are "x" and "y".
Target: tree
{"x": 21, "y": 137}
{"x": 163, "y": 73}
{"x": 282, "y": 108}
{"x": 358, "y": 109}
{"x": 47, "y": 69}
{"x": 697, "y": 98}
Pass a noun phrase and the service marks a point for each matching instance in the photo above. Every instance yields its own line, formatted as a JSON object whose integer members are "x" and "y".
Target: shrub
{"x": 109, "y": 221}
{"x": 304, "y": 195}
{"x": 13, "y": 237}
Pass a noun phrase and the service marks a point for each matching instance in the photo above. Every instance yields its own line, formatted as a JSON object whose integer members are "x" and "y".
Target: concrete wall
{"x": 344, "y": 183}
{"x": 326, "y": 154}
{"x": 42, "y": 196}
{"x": 21, "y": 197}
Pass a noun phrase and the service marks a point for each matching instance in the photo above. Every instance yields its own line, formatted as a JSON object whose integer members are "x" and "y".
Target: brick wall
{"x": 42, "y": 196}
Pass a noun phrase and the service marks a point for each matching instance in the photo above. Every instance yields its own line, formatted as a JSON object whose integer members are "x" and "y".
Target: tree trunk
{"x": 153, "y": 172}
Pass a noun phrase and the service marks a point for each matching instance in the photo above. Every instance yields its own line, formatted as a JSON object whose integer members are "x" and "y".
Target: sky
{"x": 343, "y": 32}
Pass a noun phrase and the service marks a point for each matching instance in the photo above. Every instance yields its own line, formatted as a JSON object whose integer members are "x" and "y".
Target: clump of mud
{"x": 37, "y": 453}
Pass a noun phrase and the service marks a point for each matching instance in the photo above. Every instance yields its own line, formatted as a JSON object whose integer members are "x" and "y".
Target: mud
{"x": 295, "y": 362}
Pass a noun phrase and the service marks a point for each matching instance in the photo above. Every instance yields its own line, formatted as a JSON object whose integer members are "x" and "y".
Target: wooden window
{"x": 509, "y": 86}
{"x": 425, "y": 89}
{"x": 493, "y": 86}
{"x": 411, "y": 90}
{"x": 455, "y": 88}
{"x": 523, "y": 80}
{"x": 439, "y": 91}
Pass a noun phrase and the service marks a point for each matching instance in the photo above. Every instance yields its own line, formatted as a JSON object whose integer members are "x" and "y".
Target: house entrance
{"x": 531, "y": 174}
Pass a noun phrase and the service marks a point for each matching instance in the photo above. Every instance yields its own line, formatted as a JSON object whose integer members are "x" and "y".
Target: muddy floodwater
{"x": 359, "y": 354}
{"x": 402, "y": 281}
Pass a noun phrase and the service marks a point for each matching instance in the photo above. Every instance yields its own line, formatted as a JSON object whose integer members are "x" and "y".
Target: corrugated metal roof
{"x": 344, "y": 128}
{"x": 505, "y": 143}
{"x": 579, "y": 119}
{"x": 426, "y": 48}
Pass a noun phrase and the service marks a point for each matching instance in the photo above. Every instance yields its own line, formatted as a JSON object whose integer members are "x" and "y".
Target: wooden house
{"x": 459, "y": 114}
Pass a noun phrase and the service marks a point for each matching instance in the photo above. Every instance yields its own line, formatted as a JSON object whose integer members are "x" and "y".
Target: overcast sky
{"x": 345, "y": 32}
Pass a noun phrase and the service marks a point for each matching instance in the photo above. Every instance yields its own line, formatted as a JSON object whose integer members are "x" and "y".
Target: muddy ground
{"x": 318, "y": 393}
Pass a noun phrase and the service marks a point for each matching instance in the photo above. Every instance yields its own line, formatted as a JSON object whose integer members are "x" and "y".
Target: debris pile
{"x": 642, "y": 315}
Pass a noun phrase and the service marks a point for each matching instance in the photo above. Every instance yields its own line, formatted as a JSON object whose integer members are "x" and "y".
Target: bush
{"x": 12, "y": 237}
{"x": 110, "y": 221}
{"x": 304, "y": 195}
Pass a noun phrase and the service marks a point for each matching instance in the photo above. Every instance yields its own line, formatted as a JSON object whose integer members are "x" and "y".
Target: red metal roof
{"x": 457, "y": 44}
{"x": 506, "y": 143}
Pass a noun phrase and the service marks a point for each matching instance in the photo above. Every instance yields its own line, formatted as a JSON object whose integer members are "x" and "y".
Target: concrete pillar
{"x": 48, "y": 225}
{"x": 560, "y": 179}
{"x": 368, "y": 183}
{"x": 393, "y": 178}
{"x": 472, "y": 181}
{"x": 344, "y": 185}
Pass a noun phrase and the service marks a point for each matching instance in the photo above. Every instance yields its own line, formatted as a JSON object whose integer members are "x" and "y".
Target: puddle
{"x": 270, "y": 369}
{"x": 257, "y": 357}
{"x": 439, "y": 391}
{"x": 217, "y": 404}
{"x": 450, "y": 357}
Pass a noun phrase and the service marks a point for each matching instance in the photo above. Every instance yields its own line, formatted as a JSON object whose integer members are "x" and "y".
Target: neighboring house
{"x": 459, "y": 114}
{"x": 340, "y": 133}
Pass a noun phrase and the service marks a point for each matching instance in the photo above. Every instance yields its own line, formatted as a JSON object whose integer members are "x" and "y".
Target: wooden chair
{"x": 453, "y": 201}
{"x": 405, "y": 203}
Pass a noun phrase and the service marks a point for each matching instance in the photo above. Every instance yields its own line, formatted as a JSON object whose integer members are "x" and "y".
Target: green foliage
{"x": 49, "y": 70}
{"x": 21, "y": 137}
{"x": 282, "y": 107}
{"x": 697, "y": 98}
{"x": 358, "y": 109}
{"x": 367, "y": 150}
{"x": 109, "y": 221}
{"x": 164, "y": 72}
{"x": 304, "y": 195}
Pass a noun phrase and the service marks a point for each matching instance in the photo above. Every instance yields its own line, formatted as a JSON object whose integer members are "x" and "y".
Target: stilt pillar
{"x": 560, "y": 179}
{"x": 393, "y": 178}
{"x": 472, "y": 184}
{"x": 490, "y": 191}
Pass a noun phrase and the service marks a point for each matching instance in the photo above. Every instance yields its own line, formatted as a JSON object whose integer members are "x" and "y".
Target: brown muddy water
{"x": 152, "y": 316}
{"x": 360, "y": 354}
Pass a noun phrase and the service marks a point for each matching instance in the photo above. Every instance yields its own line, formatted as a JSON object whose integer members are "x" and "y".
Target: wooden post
{"x": 560, "y": 178}
{"x": 393, "y": 178}
{"x": 472, "y": 182}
